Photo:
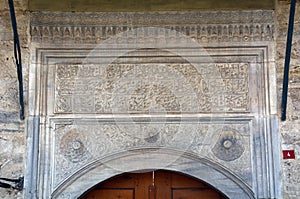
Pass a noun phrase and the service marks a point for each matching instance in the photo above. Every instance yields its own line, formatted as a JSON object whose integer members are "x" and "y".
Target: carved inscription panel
{"x": 151, "y": 88}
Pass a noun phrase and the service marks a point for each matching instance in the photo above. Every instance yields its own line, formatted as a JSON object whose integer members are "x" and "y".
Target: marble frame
{"x": 46, "y": 51}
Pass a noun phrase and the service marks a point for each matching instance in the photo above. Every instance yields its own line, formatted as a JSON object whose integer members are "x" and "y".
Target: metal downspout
{"x": 287, "y": 60}
{"x": 18, "y": 58}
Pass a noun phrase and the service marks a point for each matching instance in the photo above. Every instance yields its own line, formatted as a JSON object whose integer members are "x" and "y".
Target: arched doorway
{"x": 159, "y": 184}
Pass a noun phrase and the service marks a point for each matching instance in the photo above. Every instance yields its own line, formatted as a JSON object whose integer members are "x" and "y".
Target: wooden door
{"x": 153, "y": 185}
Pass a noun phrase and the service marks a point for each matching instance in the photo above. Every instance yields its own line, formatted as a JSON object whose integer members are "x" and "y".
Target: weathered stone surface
{"x": 6, "y": 33}
{"x": 289, "y": 129}
{"x": 12, "y": 133}
{"x": 10, "y": 194}
{"x": 12, "y": 165}
{"x": 20, "y": 5}
{"x": 153, "y": 5}
{"x": 291, "y": 170}
{"x": 295, "y": 99}
{"x": 12, "y": 152}
{"x": 7, "y": 65}
{"x": 9, "y": 95}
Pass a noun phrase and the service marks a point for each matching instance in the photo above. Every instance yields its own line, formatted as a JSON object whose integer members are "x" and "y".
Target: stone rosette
{"x": 229, "y": 146}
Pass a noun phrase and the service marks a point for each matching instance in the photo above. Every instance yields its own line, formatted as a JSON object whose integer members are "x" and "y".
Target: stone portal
{"x": 192, "y": 92}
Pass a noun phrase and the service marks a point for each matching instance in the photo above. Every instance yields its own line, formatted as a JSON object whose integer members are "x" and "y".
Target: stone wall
{"x": 289, "y": 129}
{"x": 12, "y": 133}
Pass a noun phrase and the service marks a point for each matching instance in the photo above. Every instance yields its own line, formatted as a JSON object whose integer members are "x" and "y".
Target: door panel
{"x": 153, "y": 185}
{"x": 112, "y": 194}
{"x": 194, "y": 193}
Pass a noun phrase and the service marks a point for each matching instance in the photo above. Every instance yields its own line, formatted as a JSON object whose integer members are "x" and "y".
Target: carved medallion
{"x": 229, "y": 146}
{"x": 73, "y": 147}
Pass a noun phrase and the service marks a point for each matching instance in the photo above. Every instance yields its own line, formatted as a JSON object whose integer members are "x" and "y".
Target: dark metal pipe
{"x": 18, "y": 57}
{"x": 287, "y": 60}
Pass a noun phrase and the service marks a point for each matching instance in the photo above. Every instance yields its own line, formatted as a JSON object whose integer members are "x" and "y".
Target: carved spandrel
{"x": 145, "y": 88}
{"x": 78, "y": 145}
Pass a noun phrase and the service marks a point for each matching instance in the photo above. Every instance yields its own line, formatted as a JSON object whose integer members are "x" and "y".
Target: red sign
{"x": 288, "y": 154}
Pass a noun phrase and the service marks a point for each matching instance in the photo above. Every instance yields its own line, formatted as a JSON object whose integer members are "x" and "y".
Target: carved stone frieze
{"x": 201, "y": 26}
{"x": 79, "y": 144}
{"x": 150, "y": 88}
